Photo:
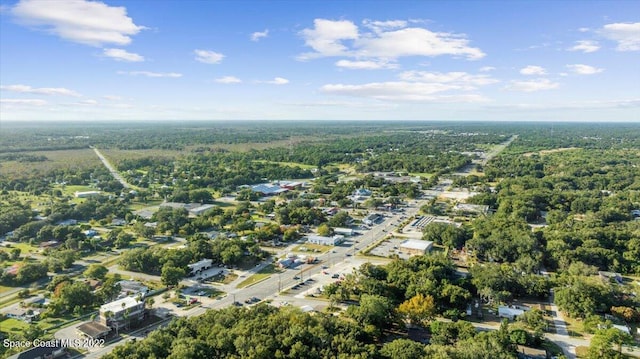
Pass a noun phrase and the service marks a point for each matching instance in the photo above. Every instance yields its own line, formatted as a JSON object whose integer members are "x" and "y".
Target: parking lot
{"x": 389, "y": 247}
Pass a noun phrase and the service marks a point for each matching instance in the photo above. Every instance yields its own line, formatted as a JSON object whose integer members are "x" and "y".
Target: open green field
{"x": 70, "y": 190}
{"x": 25, "y": 248}
{"x": 67, "y": 159}
{"x": 13, "y": 325}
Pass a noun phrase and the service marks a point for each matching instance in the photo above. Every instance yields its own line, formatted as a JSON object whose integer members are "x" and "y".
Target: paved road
{"x": 111, "y": 169}
{"x": 562, "y": 337}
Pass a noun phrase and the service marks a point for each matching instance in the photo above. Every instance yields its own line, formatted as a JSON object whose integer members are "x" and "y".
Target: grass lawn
{"x": 310, "y": 247}
{"x": 574, "y": 326}
{"x": 4, "y": 289}
{"x": 70, "y": 190}
{"x": 140, "y": 205}
{"x": 263, "y": 274}
{"x": 224, "y": 279}
{"x": 552, "y": 348}
{"x": 24, "y": 247}
{"x": 14, "y": 325}
{"x": 581, "y": 352}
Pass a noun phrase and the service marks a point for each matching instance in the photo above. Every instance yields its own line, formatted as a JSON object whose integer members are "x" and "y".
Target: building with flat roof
{"x": 415, "y": 247}
{"x": 120, "y": 313}
{"x": 87, "y": 194}
{"x": 372, "y": 219}
{"x": 197, "y": 211}
{"x": 268, "y": 189}
{"x": 93, "y": 330}
{"x": 325, "y": 241}
{"x": 133, "y": 288}
{"x": 201, "y": 265}
{"x": 344, "y": 231}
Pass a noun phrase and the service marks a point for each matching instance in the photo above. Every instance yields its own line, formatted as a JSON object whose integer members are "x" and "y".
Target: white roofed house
{"x": 133, "y": 288}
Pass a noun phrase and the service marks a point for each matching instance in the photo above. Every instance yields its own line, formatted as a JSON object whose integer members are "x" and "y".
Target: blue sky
{"x": 316, "y": 60}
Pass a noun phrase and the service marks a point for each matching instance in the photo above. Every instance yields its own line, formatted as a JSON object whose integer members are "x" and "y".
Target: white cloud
{"x": 112, "y": 97}
{"x": 487, "y": 69}
{"x": 420, "y": 86}
{"x": 228, "y": 80}
{"x": 256, "y": 36}
{"x": 584, "y": 29}
{"x": 533, "y": 70}
{"x": 326, "y": 37}
{"x": 585, "y": 46}
{"x": 365, "y": 65}
{"x": 532, "y": 85}
{"x": 277, "y": 81}
{"x": 151, "y": 74}
{"x": 379, "y": 26}
{"x": 462, "y": 80}
{"x": 626, "y": 34}
{"x": 23, "y": 101}
{"x": 208, "y": 57}
{"x": 581, "y": 69}
{"x": 40, "y": 90}
{"x": 416, "y": 42}
{"x": 401, "y": 91}
{"x": 389, "y": 40}
{"x": 123, "y": 55}
{"x": 86, "y": 22}
{"x": 88, "y": 103}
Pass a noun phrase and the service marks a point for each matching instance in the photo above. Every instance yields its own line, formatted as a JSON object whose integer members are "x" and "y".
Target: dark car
{"x": 237, "y": 304}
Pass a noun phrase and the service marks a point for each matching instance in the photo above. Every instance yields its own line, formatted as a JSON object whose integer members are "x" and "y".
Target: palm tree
{"x": 150, "y": 302}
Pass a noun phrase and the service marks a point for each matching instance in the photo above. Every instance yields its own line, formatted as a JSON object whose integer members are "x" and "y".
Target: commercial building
{"x": 87, "y": 194}
{"x": 120, "y": 313}
{"x": 93, "y": 330}
{"x": 344, "y": 231}
{"x": 199, "y": 266}
{"x": 415, "y": 247}
{"x": 372, "y": 219}
{"x": 268, "y": 189}
{"x": 325, "y": 241}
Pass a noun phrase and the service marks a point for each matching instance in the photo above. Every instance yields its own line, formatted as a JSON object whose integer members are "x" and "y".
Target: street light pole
{"x": 279, "y": 282}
